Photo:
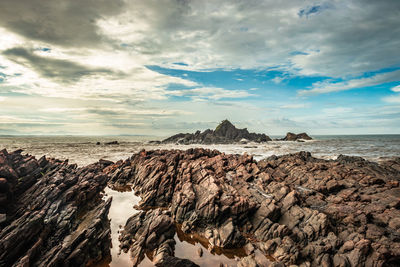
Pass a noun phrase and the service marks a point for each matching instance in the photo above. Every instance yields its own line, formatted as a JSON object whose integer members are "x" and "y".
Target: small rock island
{"x": 225, "y": 133}
{"x": 296, "y": 137}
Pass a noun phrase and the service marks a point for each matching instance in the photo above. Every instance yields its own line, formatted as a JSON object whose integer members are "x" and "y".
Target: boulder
{"x": 296, "y": 137}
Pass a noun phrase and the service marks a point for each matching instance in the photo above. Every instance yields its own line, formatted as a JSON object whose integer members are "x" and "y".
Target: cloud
{"x": 296, "y": 36}
{"x": 336, "y": 110}
{"x": 213, "y": 93}
{"x": 57, "y": 69}
{"x": 62, "y": 110}
{"x": 296, "y": 106}
{"x": 277, "y": 80}
{"x": 396, "y": 89}
{"x": 64, "y": 23}
{"x": 393, "y": 99}
{"x": 263, "y": 34}
{"x": 328, "y": 87}
{"x": 84, "y": 62}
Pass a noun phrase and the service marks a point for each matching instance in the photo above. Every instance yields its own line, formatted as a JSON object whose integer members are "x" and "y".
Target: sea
{"x": 84, "y": 150}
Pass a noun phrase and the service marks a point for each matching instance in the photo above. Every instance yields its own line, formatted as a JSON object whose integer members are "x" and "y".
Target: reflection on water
{"x": 121, "y": 209}
{"x": 188, "y": 246}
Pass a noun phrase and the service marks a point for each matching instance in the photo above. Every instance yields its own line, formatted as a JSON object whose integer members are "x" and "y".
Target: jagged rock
{"x": 150, "y": 231}
{"x": 112, "y": 143}
{"x": 225, "y": 133}
{"x": 52, "y": 212}
{"x": 298, "y": 209}
{"x": 296, "y": 137}
{"x": 170, "y": 261}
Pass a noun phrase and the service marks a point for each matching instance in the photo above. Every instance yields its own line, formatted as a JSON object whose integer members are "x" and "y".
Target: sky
{"x": 158, "y": 67}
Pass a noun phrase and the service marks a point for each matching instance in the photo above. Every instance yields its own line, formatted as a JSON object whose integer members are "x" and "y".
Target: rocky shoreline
{"x": 292, "y": 210}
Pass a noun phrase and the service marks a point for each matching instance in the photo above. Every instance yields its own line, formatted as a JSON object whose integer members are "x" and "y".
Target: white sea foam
{"x": 83, "y": 150}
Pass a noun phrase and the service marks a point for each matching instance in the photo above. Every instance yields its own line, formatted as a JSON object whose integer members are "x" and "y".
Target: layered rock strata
{"x": 294, "y": 209}
{"x": 287, "y": 210}
{"x": 52, "y": 213}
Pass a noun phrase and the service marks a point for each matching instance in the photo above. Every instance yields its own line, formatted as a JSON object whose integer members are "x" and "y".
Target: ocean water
{"x": 83, "y": 149}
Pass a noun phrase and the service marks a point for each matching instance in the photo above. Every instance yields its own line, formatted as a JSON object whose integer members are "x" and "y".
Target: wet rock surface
{"x": 225, "y": 133}
{"x": 51, "y": 212}
{"x": 292, "y": 209}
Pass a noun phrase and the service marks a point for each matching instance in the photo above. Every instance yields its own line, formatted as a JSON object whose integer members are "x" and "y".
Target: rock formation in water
{"x": 294, "y": 208}
{"x": 295, "y": 137}
{"x": 112, "y": 143}
{"x": 51, "y": 213}
{"x": 225, "y": 133}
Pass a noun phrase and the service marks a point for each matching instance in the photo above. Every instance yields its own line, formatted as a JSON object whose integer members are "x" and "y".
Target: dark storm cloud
{"x": 56, "y": 69}
{"x": 60, "y": 22}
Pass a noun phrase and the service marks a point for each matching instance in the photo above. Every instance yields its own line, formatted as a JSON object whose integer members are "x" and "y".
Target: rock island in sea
{"x": 226, "y": 133}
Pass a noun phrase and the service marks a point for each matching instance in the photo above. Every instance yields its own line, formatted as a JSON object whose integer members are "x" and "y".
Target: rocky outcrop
{"x": 225, "y": 133}
{"x": 153, "y": 232}
{"x": 296, "y": 137}
{"x": 295, "y": 209}
{"x": 288, "y": 210}
{"x": 51, "y": 212}
{"x": 112, "y": 143}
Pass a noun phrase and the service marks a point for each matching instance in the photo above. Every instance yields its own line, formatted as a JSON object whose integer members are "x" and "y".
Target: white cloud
{"x": 296, "y": 105}
{"x": 336, "y": 110}
{"x": 278, "y": 80}
{"x": 396, "y": 89}
{"x": 392, "y": 99}
{"x": 213, "y": 93}
{"x": 328, "y": 87}
{"x": 61, "y": 110}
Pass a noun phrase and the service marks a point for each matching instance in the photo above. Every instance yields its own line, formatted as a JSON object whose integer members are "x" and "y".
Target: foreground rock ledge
{"x": 295, "y": 209}
{"x": 51, "y": 212}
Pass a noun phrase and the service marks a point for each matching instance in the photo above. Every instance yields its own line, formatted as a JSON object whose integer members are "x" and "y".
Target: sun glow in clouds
{"x": 129, "y": 67}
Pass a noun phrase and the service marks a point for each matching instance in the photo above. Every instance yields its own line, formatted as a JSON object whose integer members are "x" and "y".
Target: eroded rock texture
{"x": 296, "y": 137}
{"x": 295, "y": 209}
{"x": 224, "y": 133}
{"x": 51, "y": 212}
